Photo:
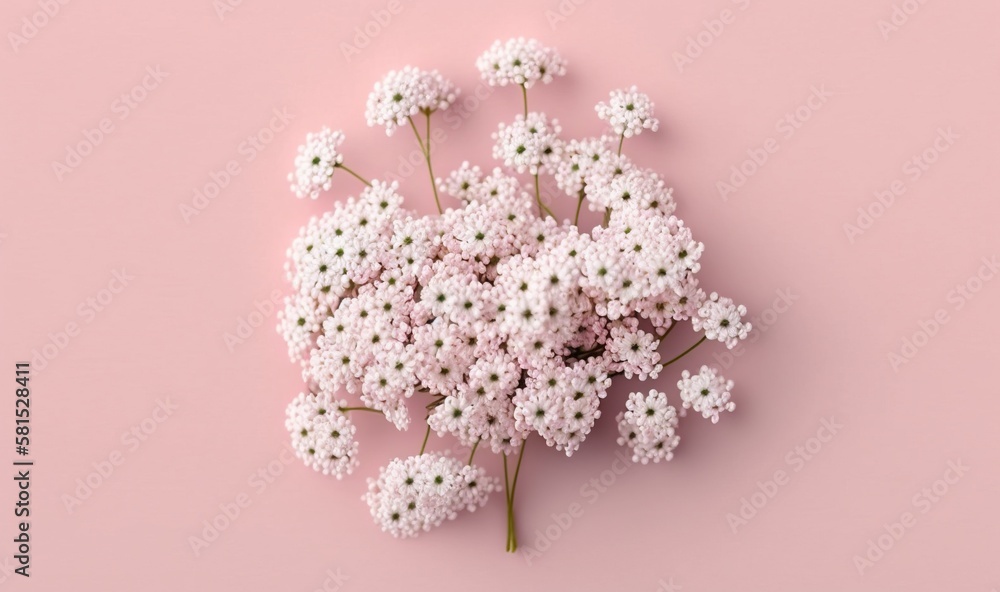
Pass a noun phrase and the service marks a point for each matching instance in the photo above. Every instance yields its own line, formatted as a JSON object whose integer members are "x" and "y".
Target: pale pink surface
{"x": 826, "y": 356}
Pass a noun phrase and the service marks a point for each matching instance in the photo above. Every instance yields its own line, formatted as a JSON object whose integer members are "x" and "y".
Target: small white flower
{"x": 706, "y": 393}
{"x": 404, "y": 93}
{"x": 629, "y": 112}
{"x": 639, "y": 189}
{"x": 463, "y": 183}
{"x": 586, "y": 163}
{"x": 299, "y": 323}
{"x": 636, "y": 351}
{"x": 389, "y": 381}
{"x": 520, "y": 61}
{"x": 722, "y": 319}
{"x": 418, "y": 493}
{"x": 529, "y": 144}
{"x": 322, "y": 435}
{"x": 315, "y": 162}
{"x": 648, "y": 427}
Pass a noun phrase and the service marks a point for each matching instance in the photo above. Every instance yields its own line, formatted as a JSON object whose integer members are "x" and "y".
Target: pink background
{"x": 826, "y": 355}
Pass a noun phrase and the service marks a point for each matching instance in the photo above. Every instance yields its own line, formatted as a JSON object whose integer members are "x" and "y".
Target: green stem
{"x": 359, "y": 409}
{"x": 506, "y": 480}
{"x": 538, "y": 195}
{"x": 420, "y": 141}
{"x": 669, "y": 329}
{"x": 506, "y": 493}
{"x": 524, "y": 92}
{"x": 430, "y": 169}
{"x": 620, "y": 142}
{"x": 579, "y": 203}
{"x": 542, "y": 208}
{"x": 355, "y": 175}
{"x": 511, "y": 524}
{"x": 426, "y": 150}
{"x": 426, "y": 436}
{"x": 474, "y": 447}
{"x": 687, "y": 351}
{"x": 517, "y": 470}
{"x": 511, "y": 537}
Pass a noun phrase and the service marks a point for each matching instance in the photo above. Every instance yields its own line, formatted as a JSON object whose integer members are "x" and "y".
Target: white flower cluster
{"x": 505, "y": 323}
{"x": 322, "y": 436}
{"x": 649, "y": 427}
{"x": 520, "y": 61}
{"x": 401, "y": 94}
{"x": 628, "y": 112}
{"x": 529, "y": 144}
{"x": 706, "y": 393}
{"x": 468, "y": 184}
{"x": 722, "y": 319}
{"x": 315, "y": 163}
{"x": 332, "y": 256}
{"x": 415, "y": 494}
{"x": 589, "y": 164}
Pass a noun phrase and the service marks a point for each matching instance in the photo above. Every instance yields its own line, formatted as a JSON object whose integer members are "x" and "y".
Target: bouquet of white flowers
{"x": 507, "y": 322}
